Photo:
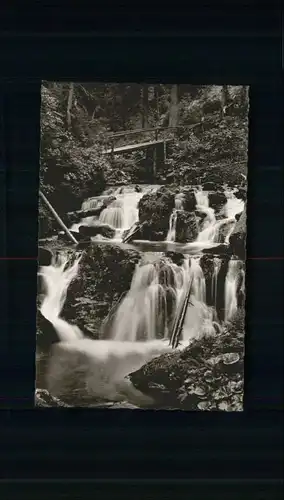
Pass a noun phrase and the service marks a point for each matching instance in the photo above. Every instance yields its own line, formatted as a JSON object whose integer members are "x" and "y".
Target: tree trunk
{"x": 156, "y": 91}
{"x": 173, "y": 117}
{"x": 145, "y": 106}
{"x": 224, "y": 99}
{"x": 69, "y": 104}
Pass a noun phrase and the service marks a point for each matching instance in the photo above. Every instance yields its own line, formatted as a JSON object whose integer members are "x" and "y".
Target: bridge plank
{"x": 133, "y": 147}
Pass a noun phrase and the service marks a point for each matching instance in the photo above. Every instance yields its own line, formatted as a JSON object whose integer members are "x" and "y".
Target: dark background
{"x": 217, "y": 46}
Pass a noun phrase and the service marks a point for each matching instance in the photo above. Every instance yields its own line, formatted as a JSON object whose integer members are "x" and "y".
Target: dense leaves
{"x": 76, "y": 119}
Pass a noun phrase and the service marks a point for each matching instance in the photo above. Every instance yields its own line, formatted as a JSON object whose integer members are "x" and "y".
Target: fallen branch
{"x": 57, "y": 218}
{"x": 180, "y": 317}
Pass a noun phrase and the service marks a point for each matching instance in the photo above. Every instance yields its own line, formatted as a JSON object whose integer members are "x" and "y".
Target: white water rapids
{"x": 141, "y": 326}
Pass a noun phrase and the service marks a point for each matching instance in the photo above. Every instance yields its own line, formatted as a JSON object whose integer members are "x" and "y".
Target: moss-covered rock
{"x": 217, "y": 200}
{"x": 208, "y": 186}
{"x": 104, "y": 229}
{"x": 43, "y": 399}
{"x": 189, "y": 200}
{"x": 154, "y": 213}
{"x": 186, "y": 227}
{"x": 175, "y": 257}
{"x": 207, "y": 375}
{"x": 238, "y": 237}
{"x": 105, "y": 273}
{"x": 241, "y": 193}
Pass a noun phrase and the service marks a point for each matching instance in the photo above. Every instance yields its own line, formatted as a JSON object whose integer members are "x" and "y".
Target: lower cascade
{"x": 140, "y": 330}
{"x": 171, "y": 296}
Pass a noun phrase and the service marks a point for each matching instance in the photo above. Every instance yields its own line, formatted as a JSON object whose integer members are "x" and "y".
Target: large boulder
{"x": 186, "y": 227}
{"x": 217, "y": 200}
{"x": 44, "y": 256}
{"x": 105, "y": 273}
{"x": 208, "y": 186}
{"x": 241, "y": 193}
{"x": 189, "y": 200}
{"x": 207, "y": 375}
{"x": 154, "y": 213}
{"x": 46, "y": 333}
{"x": 103, "y": 229}
{"x": 238, "y": 237}
{"x": 43, "y": 399}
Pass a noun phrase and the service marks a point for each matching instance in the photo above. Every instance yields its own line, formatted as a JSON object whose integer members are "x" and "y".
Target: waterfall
{"x": 121, "y": 214}
{"x": 199, "y": 285}
{"x": 234, "y": 205}
{"x": 148, "y": 310}
{"x": 217, "y": 265}
{"x": 201, "y": 197}
{"x": 231, "y": 286}
{"x": 56, "y": 279}
{"x": 141, "y": 327}
{"x": 102, "y": 364}
{"x": 210, "y": 231}
{"x": 171, "y": 236}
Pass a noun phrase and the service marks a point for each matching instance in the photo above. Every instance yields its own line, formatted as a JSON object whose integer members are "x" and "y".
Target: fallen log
{"x": 180, "y": 317}
{"x": 81, "y": 214}
{"x": 132, "y": 233}
{"x": 57, "y": 218}
{"x": 109, "y": 318}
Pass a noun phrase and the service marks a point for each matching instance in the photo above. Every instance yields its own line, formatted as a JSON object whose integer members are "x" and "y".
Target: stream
{"x": 141, "y": 326}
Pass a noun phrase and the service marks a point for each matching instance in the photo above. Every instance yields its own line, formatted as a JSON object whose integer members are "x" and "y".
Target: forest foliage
{"x": 77, "y": 118}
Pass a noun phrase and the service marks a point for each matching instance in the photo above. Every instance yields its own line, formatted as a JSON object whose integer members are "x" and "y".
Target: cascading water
{"x": 201, "y": 197}
{"x": 210, "y": 231}
{"x": 121, "y": 214}
{"x": 217, "y": 265}
{"x": 56, "y": 279}
{"x": 148, "y": 310}
{"x": 103, "y": 363}
{"x": 171, "y": 236}
{"x": 142, "y": 325}
{"x": 231, "y": 286}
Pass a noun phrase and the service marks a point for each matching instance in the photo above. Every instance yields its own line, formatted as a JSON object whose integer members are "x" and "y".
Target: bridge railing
{"x": 148, "y": 134}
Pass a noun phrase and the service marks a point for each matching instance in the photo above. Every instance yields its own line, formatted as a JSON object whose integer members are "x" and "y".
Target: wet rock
{"x": 189, "y": 200}
{"x": 154, "y": 213}
{"x": 209, "y": 186}
{"x": 207, "y": 266}
{"x": 43, "y": 399}
{"x": 46, "y": 333}
{"x": 217, "y": 200}
{"x": 105, "y": 273}
{"x": 186, "y": 227}
{"x": 222, "y": 249}
{"x": 238, "y": 237}
{"x": 241, "y": 193}
{"x": 44, "y": 256}
{"x": 189, "y": 380}
{"x": 103, "y": 229}
{"x": 175, "y": 257}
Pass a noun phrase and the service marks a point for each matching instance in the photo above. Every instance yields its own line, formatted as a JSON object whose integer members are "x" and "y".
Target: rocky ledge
{"x": 207, "y": 375}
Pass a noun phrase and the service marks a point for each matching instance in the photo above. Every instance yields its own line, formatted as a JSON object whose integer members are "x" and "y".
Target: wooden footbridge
{"x": 154, "y": 147}
{"x": 154, "y": 143}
